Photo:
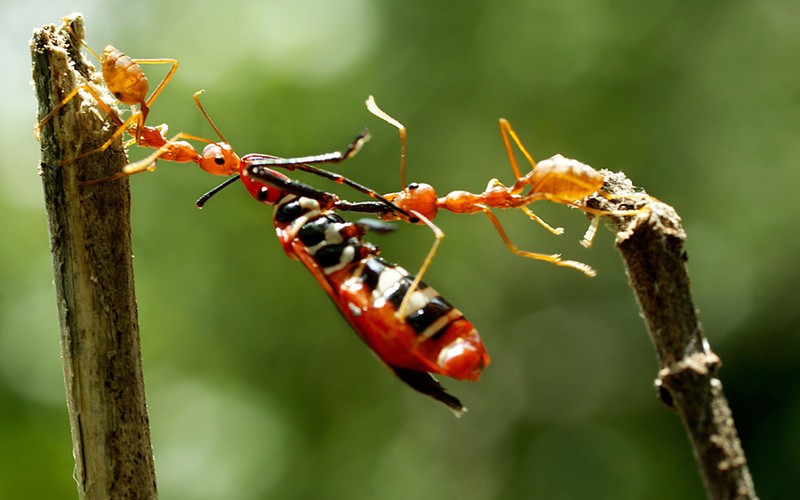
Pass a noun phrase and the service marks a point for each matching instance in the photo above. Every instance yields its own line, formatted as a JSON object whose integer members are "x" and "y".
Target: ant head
{"x": 218, "y": 158}
{"x": 418, "y": 197}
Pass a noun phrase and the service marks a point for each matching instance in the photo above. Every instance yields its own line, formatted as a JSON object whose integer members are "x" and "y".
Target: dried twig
{"x": 652, "y": 246}
{"x": 90, "y": 241}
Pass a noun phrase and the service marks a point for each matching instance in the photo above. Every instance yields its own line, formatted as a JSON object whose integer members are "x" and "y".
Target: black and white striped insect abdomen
{"x": 430, "y": 336}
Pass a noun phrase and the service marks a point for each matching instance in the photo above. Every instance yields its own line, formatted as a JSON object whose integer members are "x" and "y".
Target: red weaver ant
{"x": 124, "y": 78}
{"x": 560, "y": 181}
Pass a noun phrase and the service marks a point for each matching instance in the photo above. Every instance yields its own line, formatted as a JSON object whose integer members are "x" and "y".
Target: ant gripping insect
{"x": 219, "y": 158}
{"x": 124, "y": 78}
{"x": 421, "y": 199}
{"x": 426, "y": 336}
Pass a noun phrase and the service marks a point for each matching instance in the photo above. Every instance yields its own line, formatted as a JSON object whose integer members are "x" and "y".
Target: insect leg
{"x": 505, "y": 132}
{"x": 164, "y": 81}
{"x": 553, "y": 258}
{"x": 439, "y": 236}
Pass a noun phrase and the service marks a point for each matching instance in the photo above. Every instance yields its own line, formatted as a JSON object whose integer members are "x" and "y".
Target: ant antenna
{"x": 373, "y": 108}
{"x": 208, "y": 118}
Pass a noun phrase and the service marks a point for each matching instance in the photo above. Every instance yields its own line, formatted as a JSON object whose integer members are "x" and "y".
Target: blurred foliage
{"x": 256, "y": 386}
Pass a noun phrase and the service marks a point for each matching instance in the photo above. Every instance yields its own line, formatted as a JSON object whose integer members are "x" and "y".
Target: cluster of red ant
{"x": 412, "y": 329}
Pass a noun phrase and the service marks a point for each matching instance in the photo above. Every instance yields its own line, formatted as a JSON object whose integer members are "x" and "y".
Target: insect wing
{"x": 425, "y": 383}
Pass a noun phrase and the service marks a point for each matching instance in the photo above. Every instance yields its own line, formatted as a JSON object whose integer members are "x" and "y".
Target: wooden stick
{"x": 92, "y": 260}
{"x": 652, "y": 247}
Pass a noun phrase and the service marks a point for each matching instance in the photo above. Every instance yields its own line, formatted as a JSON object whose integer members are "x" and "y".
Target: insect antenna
{"x": 227, "y": 182}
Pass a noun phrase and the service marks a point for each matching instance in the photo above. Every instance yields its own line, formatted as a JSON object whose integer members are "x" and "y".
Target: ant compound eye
{"x": 219, "y": 160}
{"x": 413, "y": 185}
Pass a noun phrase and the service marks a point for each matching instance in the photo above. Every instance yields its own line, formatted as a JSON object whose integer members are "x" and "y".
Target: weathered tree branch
{"x": 91, "y": 246}
{"x": 652, "y": 246}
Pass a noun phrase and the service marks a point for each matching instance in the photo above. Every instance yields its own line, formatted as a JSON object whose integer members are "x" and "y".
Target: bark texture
{"x": 652, "y": 247}
{"x": 93, "y": 275}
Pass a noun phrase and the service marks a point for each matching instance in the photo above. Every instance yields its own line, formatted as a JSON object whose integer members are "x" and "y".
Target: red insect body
{"x": 429, "y": 337}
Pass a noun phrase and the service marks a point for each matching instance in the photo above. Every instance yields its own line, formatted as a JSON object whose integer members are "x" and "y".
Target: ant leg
{"x": 149, "y": 163}
{"x": 164, "y": 81}
{"x": 505, "y": 132}
{"x": 121, "y": 126}
{"x": 100, "y": 102}
{"x": 439, "y": 236}
{"x": 170, "y": 145}
{"x": 588, "y": 236}
{"x": 558, "y": 231}
{"x": 512, "y": 200}
{"x": 553, "y": 259}
{"x": 522, "y": 202}
{"x": 373, "y": 108}
{"x": 592, "y": 229}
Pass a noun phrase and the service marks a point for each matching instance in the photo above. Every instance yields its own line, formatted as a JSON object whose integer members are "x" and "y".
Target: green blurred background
{"x": 256, "y": 386}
